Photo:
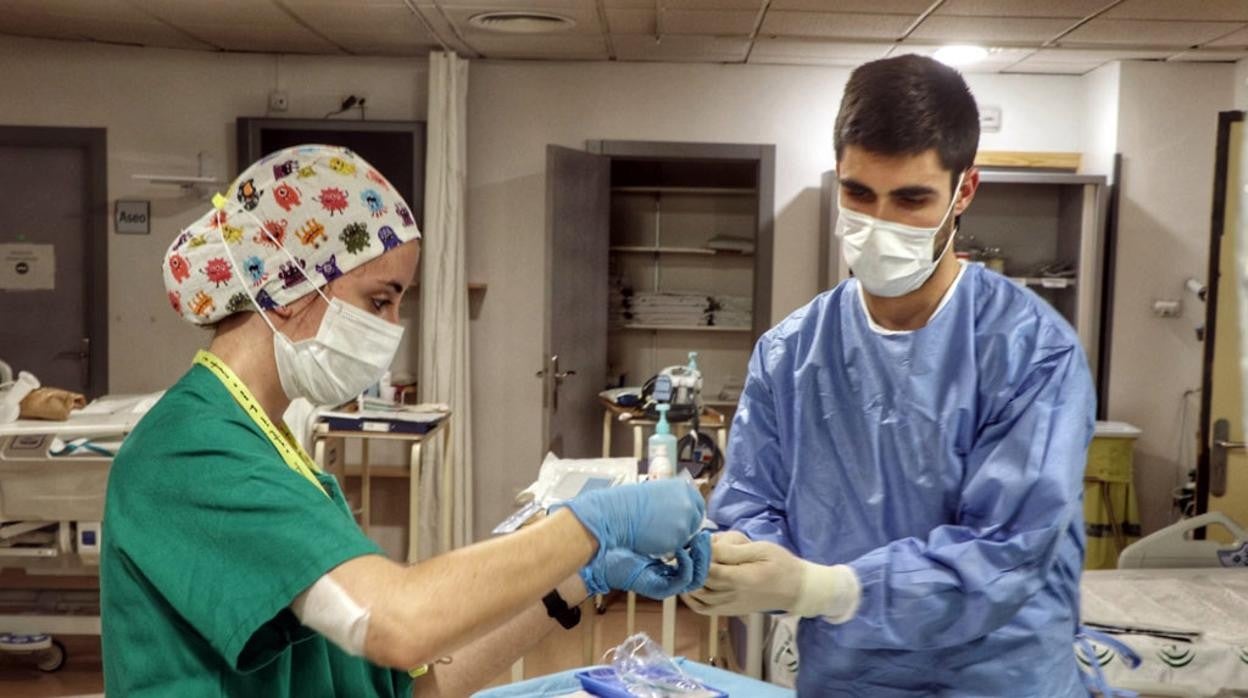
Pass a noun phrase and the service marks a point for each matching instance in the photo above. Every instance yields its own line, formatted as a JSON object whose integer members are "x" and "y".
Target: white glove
{"x": 750, "y": 577}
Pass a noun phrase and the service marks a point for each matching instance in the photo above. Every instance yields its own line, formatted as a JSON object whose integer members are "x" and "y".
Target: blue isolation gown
{"x": 945, "y": 466}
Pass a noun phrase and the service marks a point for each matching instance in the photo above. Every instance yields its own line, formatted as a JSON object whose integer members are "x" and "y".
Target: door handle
{"x": 551, "y": 394}
{"x": 83, "y": 355}
{"x": 1217, "y": 458}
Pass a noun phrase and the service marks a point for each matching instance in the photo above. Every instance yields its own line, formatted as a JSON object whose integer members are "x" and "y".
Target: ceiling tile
{"x": 815, "y": 52}
{"x": 900, "y": 7}
{"x": 745, "y": 5}
{"x": 997, "y": 59}
{"x": 831, "y": 62}
{"x": 1140, "y": 33}
{"x": 682, "y": 22}
{"x": 738, "y": 23}
{"x": 512, "y": 5}
{"x": 1019, "y": 30}
{"x": 568, "y": 47}
{"x": 1210, "y": 56}
{"x": 444, "y": 29}
{"x": 260, "y": 38}
{"x": 391, "y": 22}
{"x": 1190, "y": 10}
{"x": 681, "y": 48}
{"x": 1073, "y": 55}
{"x": 1066, "y": 9}
{"x": 370, "y": 45}
{"x": 847, "y": 26}
{"x": 218, "y": 12}
{"x": 1053, "y": 68}
{"x": 112, "y": 21}
{"x": 1237, "y": 39}
{"x": 819, "y": 49}
{"x": 631, "y": 21}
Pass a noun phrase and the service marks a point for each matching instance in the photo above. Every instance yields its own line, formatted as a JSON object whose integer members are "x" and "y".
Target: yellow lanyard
{"x": 295, "y": 457}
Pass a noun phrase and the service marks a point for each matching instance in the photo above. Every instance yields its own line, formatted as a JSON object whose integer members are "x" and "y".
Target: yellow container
{"x": 1110, "y": 510}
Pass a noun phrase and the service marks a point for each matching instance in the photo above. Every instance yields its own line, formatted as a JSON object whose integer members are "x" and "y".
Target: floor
{"x": 82, "y": 673}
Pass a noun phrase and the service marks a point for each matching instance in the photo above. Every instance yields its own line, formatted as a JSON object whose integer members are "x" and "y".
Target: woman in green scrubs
{"x": 220, "y": 530}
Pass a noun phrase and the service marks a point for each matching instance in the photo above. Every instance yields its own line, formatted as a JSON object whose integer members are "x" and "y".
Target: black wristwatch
{"x": 557, "y": 608}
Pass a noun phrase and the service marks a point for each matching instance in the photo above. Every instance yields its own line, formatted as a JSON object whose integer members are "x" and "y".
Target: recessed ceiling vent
{"x": 526, "y": 22}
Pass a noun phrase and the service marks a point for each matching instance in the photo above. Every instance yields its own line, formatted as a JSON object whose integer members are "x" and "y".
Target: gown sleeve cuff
{"x": 831, "y": 592}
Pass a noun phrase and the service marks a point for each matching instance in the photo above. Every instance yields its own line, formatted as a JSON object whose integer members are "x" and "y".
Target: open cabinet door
{"x": 574, "y": 369}
{"x": 1222, "y": 482}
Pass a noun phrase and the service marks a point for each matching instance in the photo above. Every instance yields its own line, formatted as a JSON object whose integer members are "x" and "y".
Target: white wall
{"x": 1100, "y": 119}
{"x": 162, "y": 107}
{"x": 1167, "y": 128}
{"x": 1241, "y": 84}
{"x": 516, "y": 109}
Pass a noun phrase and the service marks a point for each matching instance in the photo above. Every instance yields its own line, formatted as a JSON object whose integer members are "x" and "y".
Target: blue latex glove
{"x": 625, "y": 570}
{"x": 650, "y": 518}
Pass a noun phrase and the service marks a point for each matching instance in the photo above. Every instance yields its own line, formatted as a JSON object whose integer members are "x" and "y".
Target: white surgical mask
{"x": 890, "y": 259}
{"x": 352, "y": 350}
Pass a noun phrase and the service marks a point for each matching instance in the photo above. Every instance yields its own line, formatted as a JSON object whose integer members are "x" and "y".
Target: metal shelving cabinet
{"x": 668, "y": 200}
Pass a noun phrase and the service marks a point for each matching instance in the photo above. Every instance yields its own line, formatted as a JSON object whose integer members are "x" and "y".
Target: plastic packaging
{"x": 641, "y": 669}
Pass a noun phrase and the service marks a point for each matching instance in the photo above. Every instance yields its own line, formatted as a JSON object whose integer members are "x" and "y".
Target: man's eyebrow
{"x": 912, "y": 191}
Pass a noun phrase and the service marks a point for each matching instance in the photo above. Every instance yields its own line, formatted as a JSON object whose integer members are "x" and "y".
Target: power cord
{"x": 347, "y": 104}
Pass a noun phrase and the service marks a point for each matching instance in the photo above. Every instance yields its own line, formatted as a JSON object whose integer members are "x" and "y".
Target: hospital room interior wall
{"x": 161, "y": 108}
{"x": 1167, "y": 128}
{"x": 516, "y": 109}
{"x": 1241, "y": 85}
{"x": 1100, "y": 120}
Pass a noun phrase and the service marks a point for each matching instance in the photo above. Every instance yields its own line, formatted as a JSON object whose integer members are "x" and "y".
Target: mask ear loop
{"x": 945, "y": 218}
{"x": 286, "y": 252}
{"x": 219, "y": 202}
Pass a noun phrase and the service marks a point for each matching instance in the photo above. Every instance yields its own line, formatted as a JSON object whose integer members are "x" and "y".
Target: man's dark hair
{"x": 907, "y": 105}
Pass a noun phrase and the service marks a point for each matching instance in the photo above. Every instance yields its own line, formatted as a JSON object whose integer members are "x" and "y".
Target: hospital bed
{"x": 1179, "y": 603}
{"x": 1182, "y": 605}
{"x": 53, "y": 480}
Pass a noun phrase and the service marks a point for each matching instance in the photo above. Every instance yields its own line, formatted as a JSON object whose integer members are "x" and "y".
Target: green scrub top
{"x": 208, "y": 538}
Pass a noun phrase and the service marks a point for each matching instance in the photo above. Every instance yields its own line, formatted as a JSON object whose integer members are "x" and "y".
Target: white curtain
{"x": 444, "y": 363}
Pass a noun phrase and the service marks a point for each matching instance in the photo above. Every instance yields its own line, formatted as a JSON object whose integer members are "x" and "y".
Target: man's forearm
{"x": 476, "y": 664}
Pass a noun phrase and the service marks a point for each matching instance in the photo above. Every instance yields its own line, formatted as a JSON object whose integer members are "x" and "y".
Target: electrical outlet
{"x": 278, "y": 101}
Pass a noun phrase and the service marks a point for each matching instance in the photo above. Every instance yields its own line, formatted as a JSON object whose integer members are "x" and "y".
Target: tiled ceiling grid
{"x": 1023, "y": 36}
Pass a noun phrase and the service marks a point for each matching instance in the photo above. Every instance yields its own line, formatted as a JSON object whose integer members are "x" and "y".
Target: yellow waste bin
{"x": 1110, "y": 511}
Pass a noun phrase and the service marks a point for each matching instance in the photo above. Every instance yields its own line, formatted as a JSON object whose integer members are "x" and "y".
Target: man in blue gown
{"x": 905, "y": 470}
